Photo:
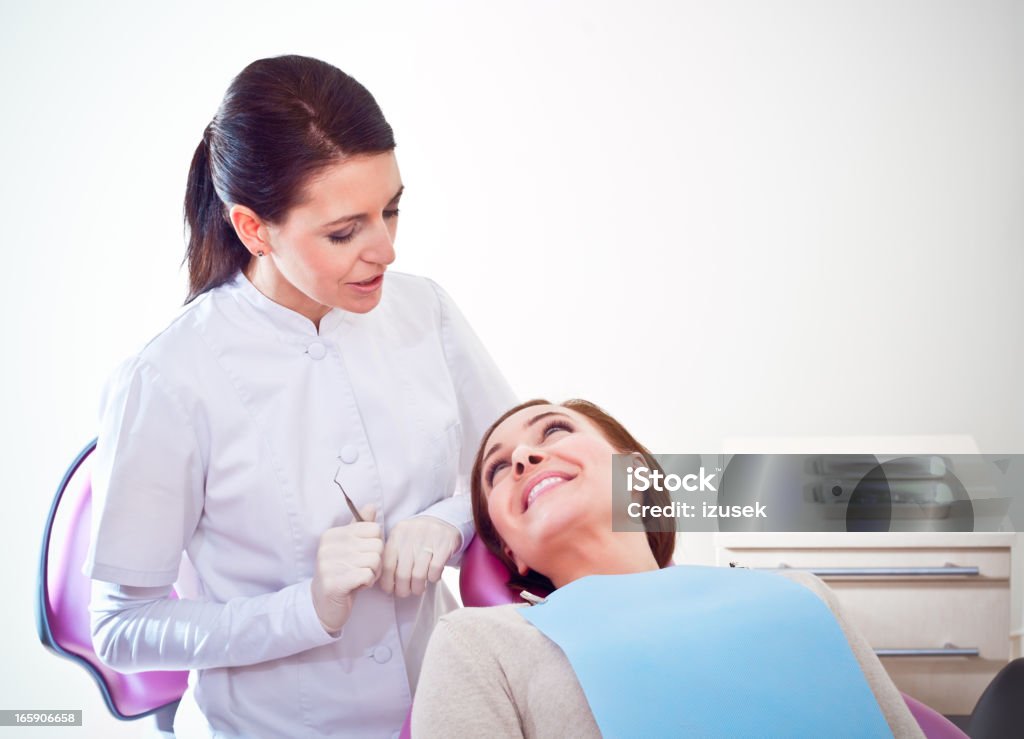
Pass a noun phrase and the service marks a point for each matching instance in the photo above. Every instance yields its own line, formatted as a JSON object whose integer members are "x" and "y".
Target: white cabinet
{"x": 940, "y": 600}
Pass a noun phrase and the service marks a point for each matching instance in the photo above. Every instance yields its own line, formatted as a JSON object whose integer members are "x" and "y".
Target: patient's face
{"x": 547, "y": 479}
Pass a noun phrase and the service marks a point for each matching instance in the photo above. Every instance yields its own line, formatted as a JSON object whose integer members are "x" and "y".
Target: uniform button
{"x": 349, "y": 454}
{"x": 316, "y": 350}
{"x": 381, "y": 654}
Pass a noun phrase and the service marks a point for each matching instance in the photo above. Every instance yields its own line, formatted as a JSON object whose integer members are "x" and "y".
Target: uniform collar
{"x": 285, "y": 319}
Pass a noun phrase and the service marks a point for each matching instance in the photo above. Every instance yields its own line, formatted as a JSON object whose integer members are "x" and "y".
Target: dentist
{"x": 299, "y": 369}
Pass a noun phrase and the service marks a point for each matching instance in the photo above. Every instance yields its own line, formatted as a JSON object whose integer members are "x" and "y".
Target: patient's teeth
{"x": 541, "y": 486}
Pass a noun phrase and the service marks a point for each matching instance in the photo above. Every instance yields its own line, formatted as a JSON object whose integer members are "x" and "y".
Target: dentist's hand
{"x": 348, "y": 560}
{"x": 416, "y": 551}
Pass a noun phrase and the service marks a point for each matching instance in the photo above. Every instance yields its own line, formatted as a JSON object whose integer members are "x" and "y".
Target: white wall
{"x": 716, "y": 219}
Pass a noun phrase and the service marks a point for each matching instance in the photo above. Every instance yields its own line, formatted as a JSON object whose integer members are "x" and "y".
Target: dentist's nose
{"x": 382, "y": 249}
{"x": 525, "y": 458}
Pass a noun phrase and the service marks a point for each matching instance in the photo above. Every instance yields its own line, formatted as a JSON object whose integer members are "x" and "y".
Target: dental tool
{"x": 533, "y": 600}
{"x": 348, "y": 500}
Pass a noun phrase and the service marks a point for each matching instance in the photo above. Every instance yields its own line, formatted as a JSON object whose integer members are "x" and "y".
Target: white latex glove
{"x": 347, "y": 560}
{"x": 416, "y": 551}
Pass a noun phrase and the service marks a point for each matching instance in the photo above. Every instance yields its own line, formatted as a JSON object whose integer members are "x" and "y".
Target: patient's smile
{"x": 547, "y": 482}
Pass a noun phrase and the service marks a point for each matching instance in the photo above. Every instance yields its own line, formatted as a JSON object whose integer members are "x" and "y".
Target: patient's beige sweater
{"x": 489, "y": 672}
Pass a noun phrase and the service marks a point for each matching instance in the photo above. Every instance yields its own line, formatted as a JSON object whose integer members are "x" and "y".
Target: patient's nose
{"x": 523, "y": 460}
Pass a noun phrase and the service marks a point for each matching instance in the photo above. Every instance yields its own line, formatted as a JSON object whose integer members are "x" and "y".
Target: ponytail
{"x": 214, "y": 252}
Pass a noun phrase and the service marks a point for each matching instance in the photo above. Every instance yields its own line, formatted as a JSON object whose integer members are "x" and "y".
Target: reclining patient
{"x": 624, "y": 644}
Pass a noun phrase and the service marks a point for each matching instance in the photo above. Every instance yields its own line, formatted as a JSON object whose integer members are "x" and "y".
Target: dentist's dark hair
{"x": 282, "y": 121}
{"x": 661, "y": 536}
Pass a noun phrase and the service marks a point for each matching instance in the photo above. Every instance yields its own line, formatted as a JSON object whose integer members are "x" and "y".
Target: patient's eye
{"x": 556, "y": 425}
{"x": 492, "y": 470}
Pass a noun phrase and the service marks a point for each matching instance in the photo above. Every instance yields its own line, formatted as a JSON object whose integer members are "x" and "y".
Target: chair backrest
{"x": 62, "y": 608}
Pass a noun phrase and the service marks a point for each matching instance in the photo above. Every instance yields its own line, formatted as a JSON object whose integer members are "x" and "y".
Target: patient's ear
{"x": 521, "y": 567}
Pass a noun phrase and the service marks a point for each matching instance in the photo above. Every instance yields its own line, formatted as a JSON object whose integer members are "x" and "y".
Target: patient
{"x": 542, "y": 503}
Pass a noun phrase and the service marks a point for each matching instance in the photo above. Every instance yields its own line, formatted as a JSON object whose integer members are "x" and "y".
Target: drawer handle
{"x": 944, "y": 571}
{"x": 947, "y": 651}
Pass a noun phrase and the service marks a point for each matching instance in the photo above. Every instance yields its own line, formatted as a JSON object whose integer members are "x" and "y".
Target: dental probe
{"x": 351, "y": 505}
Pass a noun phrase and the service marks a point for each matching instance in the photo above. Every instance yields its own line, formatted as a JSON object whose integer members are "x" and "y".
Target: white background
{"x": 739, "y": 219}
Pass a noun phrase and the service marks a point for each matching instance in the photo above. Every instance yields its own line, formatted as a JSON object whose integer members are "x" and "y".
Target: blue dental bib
{"x": 710, "y": 652}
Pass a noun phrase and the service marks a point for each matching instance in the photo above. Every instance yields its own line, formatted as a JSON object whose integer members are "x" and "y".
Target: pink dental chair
{"x": 62, "y": 608}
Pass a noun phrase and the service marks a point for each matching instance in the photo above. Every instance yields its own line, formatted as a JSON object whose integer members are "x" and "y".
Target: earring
{"x": 259, "y": 254}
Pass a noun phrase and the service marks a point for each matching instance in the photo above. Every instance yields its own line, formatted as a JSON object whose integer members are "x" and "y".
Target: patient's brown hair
{"x": 662, "y": 540}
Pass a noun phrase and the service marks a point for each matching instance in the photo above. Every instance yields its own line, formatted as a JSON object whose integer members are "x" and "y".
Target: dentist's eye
{"x": 492, "y": 470}
{"x": 342, "y": 238}
{"x": 556, "y": 425}
{"x": 393, "y": 213}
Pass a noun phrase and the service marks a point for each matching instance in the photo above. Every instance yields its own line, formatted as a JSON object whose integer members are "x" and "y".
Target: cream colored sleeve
{"x": 462, "y": 691}
{"x": 889, "y": 698}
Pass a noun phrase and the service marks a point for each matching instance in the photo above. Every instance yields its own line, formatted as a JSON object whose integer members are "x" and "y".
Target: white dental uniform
{"x": 221, "y": 440}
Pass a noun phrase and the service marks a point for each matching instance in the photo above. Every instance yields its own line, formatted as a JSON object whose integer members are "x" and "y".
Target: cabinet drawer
{"x": 930, "y": 615}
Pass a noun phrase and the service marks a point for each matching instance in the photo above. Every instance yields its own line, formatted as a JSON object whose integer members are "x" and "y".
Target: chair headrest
{"x": 483, "y": 579}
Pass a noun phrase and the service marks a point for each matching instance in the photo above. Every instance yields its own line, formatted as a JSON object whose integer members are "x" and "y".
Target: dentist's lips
{"x": 367, "y": 286}
{"x": 542, "y": 483}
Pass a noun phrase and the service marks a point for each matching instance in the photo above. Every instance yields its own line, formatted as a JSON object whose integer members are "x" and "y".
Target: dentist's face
{"x": 332, "y": 248}
{"x": 546, "y": 476}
